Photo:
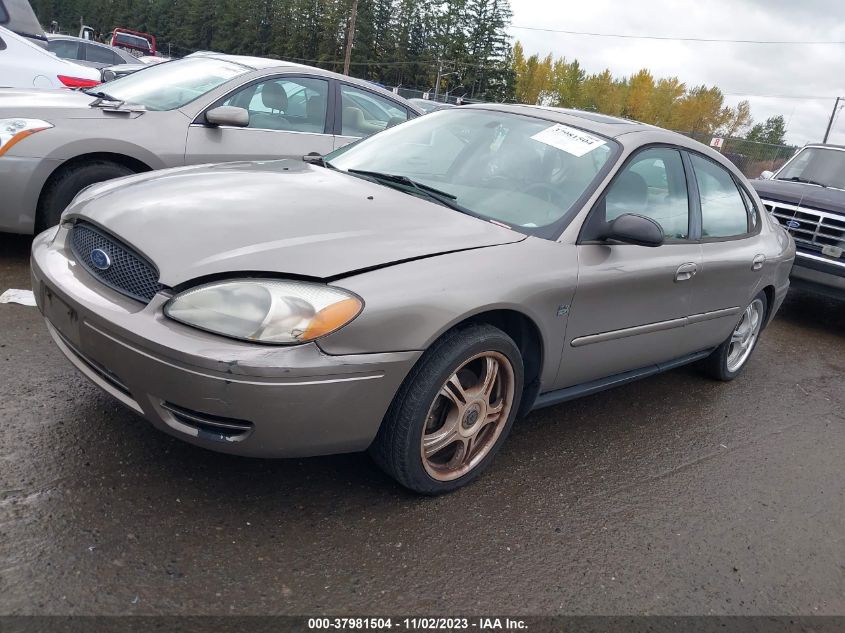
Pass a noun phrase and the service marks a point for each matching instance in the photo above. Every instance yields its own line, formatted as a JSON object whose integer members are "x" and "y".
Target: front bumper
{"x": 819, "y": 274}
{"x": 217, "y": 393}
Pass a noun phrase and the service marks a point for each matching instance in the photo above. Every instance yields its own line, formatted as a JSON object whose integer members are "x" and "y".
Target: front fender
{"x": 408, "y": 306}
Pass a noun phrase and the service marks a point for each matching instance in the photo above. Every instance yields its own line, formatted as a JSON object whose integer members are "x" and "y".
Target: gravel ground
{"x": 674, "y": 495}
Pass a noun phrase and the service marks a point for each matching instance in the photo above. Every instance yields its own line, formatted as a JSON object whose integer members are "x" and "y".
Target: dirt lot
{"x": 675, "y": 495}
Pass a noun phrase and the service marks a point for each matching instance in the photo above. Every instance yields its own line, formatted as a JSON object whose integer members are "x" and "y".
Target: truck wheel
{"x": 70, "y": 181}
{"x": 453, "y": 412}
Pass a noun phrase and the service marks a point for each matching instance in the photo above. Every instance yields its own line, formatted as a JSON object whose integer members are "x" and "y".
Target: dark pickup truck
{"x": 807, "y": 196}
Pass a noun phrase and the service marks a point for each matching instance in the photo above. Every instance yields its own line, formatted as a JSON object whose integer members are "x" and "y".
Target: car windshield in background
{"x": 135, "y": 41}
{"x": 522, "y": 171}
{"x": 171, "y": 85}
{"x": 816, "y": 166}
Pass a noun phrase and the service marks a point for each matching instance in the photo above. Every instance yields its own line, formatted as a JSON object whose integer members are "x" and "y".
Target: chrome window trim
{"x": 258, "y": 129}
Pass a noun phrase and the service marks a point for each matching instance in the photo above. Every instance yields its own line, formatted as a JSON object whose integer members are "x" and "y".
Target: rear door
{"x": 362, "y": 112}
{"x": 631, "y": 303}
{"x": 288, "y": 117}
{"x": 733, "y": 259}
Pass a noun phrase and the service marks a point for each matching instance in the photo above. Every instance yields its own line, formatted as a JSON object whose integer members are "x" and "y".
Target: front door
{"x": 631, "y": 303}
{"x": 288, "y": 118}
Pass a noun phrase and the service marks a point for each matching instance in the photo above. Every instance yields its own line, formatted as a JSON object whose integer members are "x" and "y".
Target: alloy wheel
{"x": 467, "y": 416}
{"x": 745, "y": 335}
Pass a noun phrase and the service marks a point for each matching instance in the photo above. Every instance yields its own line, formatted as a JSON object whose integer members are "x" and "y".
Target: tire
{"x": 420, "y": 406}
{"x": 719, "y": 364}
{"x": 70, "y": 181}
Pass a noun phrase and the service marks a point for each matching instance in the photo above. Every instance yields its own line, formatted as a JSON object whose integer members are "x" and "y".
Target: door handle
{"x": 758, "y": 261}
{"x": 686, "y": 271}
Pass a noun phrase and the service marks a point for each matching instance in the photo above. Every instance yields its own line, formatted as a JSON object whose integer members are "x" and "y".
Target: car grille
{"x": 812, "y": 230}
{"x": 129, "y": 273}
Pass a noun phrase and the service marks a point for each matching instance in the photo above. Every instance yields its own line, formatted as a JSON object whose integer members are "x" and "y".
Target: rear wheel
{"x": 69, "y": 182}
{"x": 727, "y": 360}
{"x": 453, "y": 412}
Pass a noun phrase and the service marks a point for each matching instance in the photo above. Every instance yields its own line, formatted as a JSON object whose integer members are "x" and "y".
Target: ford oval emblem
{"x": 100, "y": 259}
{"x": 793, "y": 224}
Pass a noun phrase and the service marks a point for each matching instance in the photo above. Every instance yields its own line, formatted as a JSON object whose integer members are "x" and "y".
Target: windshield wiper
{"x": 441, "y": 197}
{"x": 804, "y": 180}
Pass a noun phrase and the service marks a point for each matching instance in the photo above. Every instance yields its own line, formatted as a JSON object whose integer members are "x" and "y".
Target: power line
{"x": 751, "y": 94}
{"x": 673, "y": 39}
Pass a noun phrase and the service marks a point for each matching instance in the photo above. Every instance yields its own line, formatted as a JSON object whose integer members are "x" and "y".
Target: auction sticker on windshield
{"x": 569, "y": 139}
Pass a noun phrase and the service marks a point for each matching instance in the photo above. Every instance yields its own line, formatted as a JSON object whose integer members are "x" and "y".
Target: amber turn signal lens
{"x": 332, "y": 317}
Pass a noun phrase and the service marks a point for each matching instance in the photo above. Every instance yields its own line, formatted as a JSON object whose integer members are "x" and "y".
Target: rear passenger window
{"x": 100, "y": 55}
{"x": 751, "y": 208}
{"x": 365, "y": 113}
{"x": 723, "y": 211}
{"x": 654, "y": 185}
{"x": 4, "y": 18}
{"x": 66, "y": 49}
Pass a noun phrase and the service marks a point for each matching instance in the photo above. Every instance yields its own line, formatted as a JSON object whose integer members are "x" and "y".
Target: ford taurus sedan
{"x": 415, "y": 293}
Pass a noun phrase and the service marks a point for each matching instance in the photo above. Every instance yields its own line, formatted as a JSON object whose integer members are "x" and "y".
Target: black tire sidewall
{"x": 62, "y": 191}
{"x": 432, "y": 374}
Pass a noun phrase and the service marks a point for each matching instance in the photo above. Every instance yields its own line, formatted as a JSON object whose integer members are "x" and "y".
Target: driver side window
{"x": 295, "y": 104}
{"x": 653, "y": 184}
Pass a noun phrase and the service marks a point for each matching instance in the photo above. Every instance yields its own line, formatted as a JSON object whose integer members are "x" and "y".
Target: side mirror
{"x": 227, "y": 115}
{"x": 767, "y": 175}
{"x": 635, "y": 229}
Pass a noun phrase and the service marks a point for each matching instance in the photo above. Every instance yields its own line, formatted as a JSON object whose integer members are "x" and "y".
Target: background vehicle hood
{"x": 51, "y": 105}
{"x": 802, "y": 194}
{"x": 284, "y": 216}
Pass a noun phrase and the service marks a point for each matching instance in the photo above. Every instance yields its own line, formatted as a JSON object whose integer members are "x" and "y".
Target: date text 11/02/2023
{"x": 417, "y": 624}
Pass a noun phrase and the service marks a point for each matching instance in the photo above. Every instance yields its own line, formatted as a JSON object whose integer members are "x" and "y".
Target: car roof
{"x": 264, "y": 63}
{"x": 630, "y": 134}
{"x": 12, "y": 36}
{"x": 602, "y": 124}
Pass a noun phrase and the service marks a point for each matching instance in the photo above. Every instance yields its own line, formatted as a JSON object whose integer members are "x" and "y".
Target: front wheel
{"x": 70, "y": 181}
{"x": 453, "y": 412}
{"x": 727, "y": 360}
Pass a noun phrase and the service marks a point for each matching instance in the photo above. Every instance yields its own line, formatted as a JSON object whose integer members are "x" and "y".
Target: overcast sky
{"x": 754, "y": 69}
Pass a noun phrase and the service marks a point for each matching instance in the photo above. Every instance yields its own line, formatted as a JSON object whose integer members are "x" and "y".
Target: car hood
{"x": 802, "y": 194}
{"x": 283, "y": 216}
{"x": 51, "y": 105}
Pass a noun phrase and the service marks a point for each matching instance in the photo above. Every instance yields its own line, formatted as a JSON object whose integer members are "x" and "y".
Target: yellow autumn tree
{"x": 639, "y": 105}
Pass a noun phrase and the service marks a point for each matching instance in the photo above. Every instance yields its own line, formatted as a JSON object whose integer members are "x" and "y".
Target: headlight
{"x": 14, "y": 130}
{"x": 265, "y": 310}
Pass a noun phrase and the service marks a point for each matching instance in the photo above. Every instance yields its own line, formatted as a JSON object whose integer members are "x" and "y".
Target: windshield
{"x": 131, "y": 40}
{"x": 519, "y": 170}
{"x": 171, "y": 85}
{"x": 816, "y": 165}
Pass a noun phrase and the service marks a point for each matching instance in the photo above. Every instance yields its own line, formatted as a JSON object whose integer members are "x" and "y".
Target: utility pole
{"x": 832, "y": 116}
{"x": 437, "y": 83}
{"x": 350, "y": 37}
